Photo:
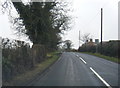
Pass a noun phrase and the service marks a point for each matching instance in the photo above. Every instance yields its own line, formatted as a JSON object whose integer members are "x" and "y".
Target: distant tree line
{"x": 110, "y": 48}
{"x": 67, "y": 45}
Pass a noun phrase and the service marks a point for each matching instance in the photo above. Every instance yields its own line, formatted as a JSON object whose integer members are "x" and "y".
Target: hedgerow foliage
{"x": 17, "y": 57}
{"x": 110, "y": 48}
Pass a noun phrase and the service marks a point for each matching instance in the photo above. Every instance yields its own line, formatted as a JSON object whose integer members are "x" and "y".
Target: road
{"x": 77, "y": 69}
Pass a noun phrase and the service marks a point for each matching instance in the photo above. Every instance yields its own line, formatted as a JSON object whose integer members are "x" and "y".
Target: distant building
{"x": 96, "y": 41}
{"x": 89, "y": 43}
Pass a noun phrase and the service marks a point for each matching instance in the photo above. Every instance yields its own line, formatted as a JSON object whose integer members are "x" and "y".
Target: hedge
{"x": 110, "y": 48}
{"x": 17, "y": 57}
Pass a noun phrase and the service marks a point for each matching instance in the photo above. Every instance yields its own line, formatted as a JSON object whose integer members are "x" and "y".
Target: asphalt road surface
{"x": 77, "y": 69}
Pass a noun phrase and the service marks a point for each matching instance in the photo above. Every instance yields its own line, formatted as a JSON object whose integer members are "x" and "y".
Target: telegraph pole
{"x": 101, "y": 27}
{"x": 79, "y": 38}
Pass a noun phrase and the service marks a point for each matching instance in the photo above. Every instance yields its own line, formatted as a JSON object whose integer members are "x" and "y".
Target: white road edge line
{"x": 100, "y": 77}
{"x": 83, "y": 60}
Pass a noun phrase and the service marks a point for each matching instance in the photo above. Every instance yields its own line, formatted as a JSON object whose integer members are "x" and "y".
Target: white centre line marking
{"x": 77, "y": 55}
{"x": 82, "y": 60}
{"x": 100, "y": 77}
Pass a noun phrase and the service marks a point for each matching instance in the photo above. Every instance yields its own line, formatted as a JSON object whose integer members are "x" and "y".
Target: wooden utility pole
{"x": 101, "y": 27}
{"x": 79, "y": 38}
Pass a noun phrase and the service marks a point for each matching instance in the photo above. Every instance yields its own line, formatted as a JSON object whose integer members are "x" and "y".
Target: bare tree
{"x": 85, "y": 37}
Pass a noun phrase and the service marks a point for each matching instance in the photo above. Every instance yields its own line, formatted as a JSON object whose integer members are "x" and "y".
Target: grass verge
{"x": 26, "y": 77}
{"x": 104, "y": 57}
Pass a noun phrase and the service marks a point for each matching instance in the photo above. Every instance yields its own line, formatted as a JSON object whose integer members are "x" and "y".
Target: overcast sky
{"x": 86, "y": 18}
